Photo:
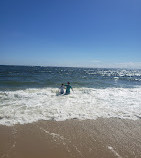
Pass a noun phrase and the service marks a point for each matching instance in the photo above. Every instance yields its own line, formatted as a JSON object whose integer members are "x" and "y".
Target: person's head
{"x": 68, "y": 83}
{"x": 62, "y": 84}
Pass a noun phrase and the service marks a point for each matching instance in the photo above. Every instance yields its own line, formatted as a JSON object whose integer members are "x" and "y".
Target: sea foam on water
{"x": 33, "y": 104}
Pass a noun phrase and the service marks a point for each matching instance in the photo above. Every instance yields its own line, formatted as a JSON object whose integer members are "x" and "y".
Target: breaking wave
{"x": 33, "y": 104}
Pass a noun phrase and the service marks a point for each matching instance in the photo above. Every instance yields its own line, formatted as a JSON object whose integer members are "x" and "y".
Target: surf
{"x": 33, "y": 104}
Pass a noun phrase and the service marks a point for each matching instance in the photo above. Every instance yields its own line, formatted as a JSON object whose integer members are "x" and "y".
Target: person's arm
{"x": 65, "y": 86}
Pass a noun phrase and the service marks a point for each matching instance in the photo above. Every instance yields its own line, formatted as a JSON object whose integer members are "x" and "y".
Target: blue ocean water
{"x": 30, "y": 93}
{"x": 18, "y": 77}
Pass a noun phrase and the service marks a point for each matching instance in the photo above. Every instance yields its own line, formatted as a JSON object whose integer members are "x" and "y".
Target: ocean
{"x": 30, "y": 93}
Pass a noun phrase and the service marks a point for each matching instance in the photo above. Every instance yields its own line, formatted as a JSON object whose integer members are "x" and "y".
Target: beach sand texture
{"x": 101, "y": 138}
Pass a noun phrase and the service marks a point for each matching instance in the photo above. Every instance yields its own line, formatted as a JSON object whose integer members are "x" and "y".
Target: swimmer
{"x": 68, "y": 87}
{"x": 62, "y": 89}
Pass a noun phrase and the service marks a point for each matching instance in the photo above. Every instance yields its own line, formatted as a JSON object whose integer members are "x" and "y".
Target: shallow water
{"x": 29, "y": 94}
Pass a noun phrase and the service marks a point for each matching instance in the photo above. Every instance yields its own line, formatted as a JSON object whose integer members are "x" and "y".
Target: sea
{"x": 31, "y": 93}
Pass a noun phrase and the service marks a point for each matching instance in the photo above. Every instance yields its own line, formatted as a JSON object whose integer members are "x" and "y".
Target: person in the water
{"x": 68, "y": 87}
{"x": 62, "y": 89}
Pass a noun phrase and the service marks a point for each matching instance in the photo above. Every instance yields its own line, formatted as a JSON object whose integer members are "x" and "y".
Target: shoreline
{"x": 100, "y": 138}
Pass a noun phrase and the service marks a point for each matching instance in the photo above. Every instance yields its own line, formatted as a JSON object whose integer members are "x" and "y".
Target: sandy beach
{"x": 101, "y": 138}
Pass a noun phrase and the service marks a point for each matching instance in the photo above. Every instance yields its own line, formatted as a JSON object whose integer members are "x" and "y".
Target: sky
{"x": 80, "y": 33}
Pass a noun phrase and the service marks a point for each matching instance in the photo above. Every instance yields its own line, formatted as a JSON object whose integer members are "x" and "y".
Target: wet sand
{"x": 101, "y": 138}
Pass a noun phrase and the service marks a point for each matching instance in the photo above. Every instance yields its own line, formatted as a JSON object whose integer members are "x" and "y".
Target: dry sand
{"x": 101, "y": 138}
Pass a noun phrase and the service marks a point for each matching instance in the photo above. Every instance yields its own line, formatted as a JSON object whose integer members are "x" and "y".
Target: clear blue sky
{"x": 91, "y": 33}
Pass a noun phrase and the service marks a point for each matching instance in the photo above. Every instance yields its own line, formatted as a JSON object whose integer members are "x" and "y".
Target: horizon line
{"x": 70, "y": 66}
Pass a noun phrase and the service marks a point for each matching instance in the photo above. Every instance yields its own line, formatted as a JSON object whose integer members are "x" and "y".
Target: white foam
{"x": 30, "y": 105}
{"x": 115, "y": 153}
